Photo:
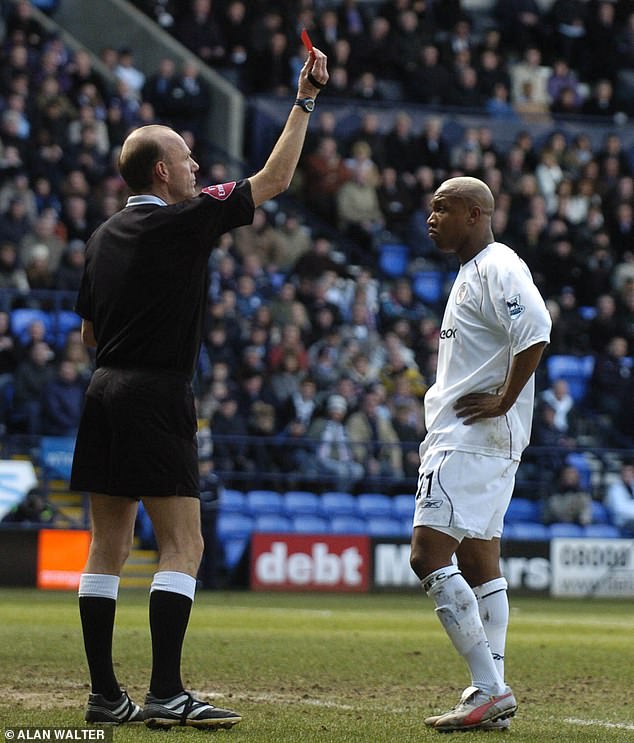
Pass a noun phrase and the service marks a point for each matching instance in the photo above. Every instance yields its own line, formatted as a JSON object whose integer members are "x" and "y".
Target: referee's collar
{"x": 145, "y": 199}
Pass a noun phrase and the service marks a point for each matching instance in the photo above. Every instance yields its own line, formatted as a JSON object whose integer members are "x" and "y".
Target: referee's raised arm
{"x": 278, "y": 170}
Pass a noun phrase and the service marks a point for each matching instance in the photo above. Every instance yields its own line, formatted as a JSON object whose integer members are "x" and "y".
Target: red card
{"x": 306, "y": 39}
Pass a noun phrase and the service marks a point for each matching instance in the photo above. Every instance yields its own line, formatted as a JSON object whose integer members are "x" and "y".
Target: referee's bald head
{"x": 141, "y": 150}
{"x": 472, "y": 191}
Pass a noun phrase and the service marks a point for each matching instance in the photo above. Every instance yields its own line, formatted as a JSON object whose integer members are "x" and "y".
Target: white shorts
{"x": 464, "y": 494}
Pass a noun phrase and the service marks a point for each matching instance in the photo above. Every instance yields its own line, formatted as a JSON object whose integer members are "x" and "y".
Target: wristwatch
{"x": 308, "y": 104}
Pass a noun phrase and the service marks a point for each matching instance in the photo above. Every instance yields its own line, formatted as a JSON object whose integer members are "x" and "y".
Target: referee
{"x": 142, "y": 301}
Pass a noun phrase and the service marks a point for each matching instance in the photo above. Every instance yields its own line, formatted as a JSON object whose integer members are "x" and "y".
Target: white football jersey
{"x": 493, "y": 312}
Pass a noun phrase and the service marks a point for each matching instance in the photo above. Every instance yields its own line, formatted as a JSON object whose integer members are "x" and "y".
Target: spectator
{"x": 46, "y": 231}
{"x": 400, "y": 303}
{"x": 200, "y": 32}
{"x": 619, "y": 497}
{"x": 359, "y": 214}
{"x": 15, "y": 223}
{"x": 563, "y": 78}
{"x": 126, "y": 71}
{"x": 70, "y": 270}
{"x": 554, "y": 445}
{"x": 604, "y": 324}
{"x": 270, "y": 69}
{"x": 333, "y": 457}
{"x": 286, "y": 378}
{"x": 429, "y": 80}
{"x": 62, "y": 401}
{"x": 261, "y": 426}
{"x": 521, "y": 23}
{"x": 8, "y": 355}
{"x": 569, "y": 502}
{"x": 401, "y": 147}
{"x": 157, "y": 89}
{"x": 228, "y": 430}
{"x": 601, "y": 102}
{"x": 33, "y": 509}
{"x": 375, "y": 443}
{"x": 12, "y": 275}
{"x": 611, "y": 377}
{"x": 409, "y": 437}
{"x": 189, "y": 101}
{"x": 38, "y": 270}
{"x": 558, "y": 397}
{"x": 31, "y": 376}
{"x": 301, "y": 405}
{"x": 324, "y": 173}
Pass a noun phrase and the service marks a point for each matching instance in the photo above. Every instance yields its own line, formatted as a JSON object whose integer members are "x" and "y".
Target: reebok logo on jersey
{"x": 448, "y": 333}
{"x": 514, "y": 306}
{"x": 221, "y": 192}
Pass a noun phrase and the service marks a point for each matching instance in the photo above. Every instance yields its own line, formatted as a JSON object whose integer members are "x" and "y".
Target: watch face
{"x": 309, "y": 104}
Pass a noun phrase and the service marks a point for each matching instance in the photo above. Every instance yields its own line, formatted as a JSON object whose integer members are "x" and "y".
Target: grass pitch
{"x": 330, "y": 668}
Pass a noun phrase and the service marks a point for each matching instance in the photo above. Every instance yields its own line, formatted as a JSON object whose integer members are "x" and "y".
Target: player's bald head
{"x": 140, "y": 152}
{"x": 472, "y": 191}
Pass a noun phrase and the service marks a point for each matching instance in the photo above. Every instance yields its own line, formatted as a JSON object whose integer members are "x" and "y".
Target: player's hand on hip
{"x": 313, "y": 75}
{"x": 477, "y": 406}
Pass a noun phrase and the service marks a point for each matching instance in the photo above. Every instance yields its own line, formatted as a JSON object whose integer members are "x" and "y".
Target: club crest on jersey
{"x": 221, "y": 191}
{"x": 514, "y": 306}
{"x": 461, "y": 294}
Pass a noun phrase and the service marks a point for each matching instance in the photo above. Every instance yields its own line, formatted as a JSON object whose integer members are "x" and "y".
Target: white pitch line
{"x": 599, "y": 723}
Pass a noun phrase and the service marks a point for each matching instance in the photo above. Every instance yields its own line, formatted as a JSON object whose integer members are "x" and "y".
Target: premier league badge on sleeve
{"x": 514, "y": 306}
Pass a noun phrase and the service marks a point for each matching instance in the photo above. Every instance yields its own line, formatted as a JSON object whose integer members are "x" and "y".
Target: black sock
{"x": 169, "y": 616}
{"x": 97, "y": 623}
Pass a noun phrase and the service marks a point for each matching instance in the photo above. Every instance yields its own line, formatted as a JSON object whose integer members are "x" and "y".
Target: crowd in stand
{"x": 306, "y": 337}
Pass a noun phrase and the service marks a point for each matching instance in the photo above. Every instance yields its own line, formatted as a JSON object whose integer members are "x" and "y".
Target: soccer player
{"x": 478, "y": 417}
{"x": 142, "y": 301}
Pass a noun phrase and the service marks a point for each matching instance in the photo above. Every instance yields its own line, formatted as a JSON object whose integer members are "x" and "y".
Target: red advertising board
{"x": 61, "y": 557}
{"x": 300, "y": 562}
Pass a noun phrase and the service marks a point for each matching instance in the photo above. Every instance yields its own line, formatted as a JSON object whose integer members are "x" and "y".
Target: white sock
{"x": 457, "y": 609}
{"x": 170, "y": 580}
{"x": 493, "y": 604}
{"x": 100, "y": 585}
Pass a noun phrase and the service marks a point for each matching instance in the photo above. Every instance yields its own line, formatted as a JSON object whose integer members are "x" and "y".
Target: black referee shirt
{"x": 145, "y": 280}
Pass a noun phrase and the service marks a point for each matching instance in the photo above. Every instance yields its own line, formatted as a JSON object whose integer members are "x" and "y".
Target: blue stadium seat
{"x": 403, "y": 505}
{"x": 264, "y": 501}
{"x": 233, "y": 549}
{"x": 385, "y": 527}
{"x": 301, "y": 502}
{"x": 522, "y": 509}
{"x": 234, "y": 525}
{"x": 22, "y": 317}
{"x": 347, "y": 525}
{"x": 374, "y": 505}
{"x": 602, "y": 531}
{"x": 600, "y": 514}
{"x": 576, "y": 370}
{"x": 61, "y": 323}
{"x": 335, "y": 503}
{"x": 393, "y": 258}
{"x": 273, "y": 522}
{"x": 562, "y": 529}
{"x": 588, "y": 313}
{"x": 307, "y": 523}
{"x": 232, "y": 500}
{"x": 428, "y": 286}
{"x": 526, "y": 531}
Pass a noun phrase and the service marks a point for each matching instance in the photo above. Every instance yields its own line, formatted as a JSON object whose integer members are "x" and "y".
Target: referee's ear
{"x": 161, "y": 171}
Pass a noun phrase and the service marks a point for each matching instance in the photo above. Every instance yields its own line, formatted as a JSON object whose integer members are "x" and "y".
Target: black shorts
{"x": 137, "y": 435}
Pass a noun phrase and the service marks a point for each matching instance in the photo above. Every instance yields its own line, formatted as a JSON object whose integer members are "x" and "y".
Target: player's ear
{"x": 474, "y": 214}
